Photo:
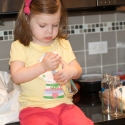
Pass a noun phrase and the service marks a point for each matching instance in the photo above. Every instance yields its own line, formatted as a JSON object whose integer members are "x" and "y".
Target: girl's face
{"x": 44, "y": 27}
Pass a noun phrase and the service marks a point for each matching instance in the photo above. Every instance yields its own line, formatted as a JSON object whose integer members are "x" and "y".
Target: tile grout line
{"x": 116, "y": 37}
{"x": 85, "y": 52}
{"x": 106, "y": 65}
{"x": 4, "y": 59}
{"x": 101, "y": 40}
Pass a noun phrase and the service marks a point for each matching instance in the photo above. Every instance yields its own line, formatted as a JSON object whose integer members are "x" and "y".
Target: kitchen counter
{"x": 94, "y": 113}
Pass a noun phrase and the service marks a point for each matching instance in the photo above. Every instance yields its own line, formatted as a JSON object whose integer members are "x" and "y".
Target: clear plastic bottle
{"x": 115, "y": 92}
{"x": 105, "y": 92}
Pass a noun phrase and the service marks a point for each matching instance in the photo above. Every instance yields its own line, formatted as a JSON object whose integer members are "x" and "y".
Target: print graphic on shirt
{"x": 53, "y": 90}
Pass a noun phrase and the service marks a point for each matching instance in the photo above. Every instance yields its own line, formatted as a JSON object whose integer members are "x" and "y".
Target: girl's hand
{"x": 51, "y": 61}
{"x": 66, "y": 73}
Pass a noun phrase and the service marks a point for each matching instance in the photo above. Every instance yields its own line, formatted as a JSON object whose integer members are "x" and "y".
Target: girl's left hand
{"x": 65, "y": 74}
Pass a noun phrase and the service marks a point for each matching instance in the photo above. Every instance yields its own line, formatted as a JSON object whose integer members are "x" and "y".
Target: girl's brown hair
{"x": 22, "y": 30}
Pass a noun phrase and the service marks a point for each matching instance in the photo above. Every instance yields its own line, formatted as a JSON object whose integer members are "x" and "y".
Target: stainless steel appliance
{"x": 10, "y": 6}
{"x": 13, "y": 6}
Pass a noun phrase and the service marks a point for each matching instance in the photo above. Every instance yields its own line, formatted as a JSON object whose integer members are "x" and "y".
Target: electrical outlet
{"x": 97, "y": 47}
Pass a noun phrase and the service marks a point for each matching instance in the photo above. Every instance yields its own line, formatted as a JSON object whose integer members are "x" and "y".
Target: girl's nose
{"x": 50, "y": 29}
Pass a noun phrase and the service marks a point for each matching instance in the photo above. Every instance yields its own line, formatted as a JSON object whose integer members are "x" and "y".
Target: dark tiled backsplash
{"x": 6, "y": 35}
{"x": 80, "y": 34}
{"x": 79, "y": 29}
{"x": 96, "y": 27}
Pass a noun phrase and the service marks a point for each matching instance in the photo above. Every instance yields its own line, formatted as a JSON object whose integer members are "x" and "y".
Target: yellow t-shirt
{"x": 42, "y": 91}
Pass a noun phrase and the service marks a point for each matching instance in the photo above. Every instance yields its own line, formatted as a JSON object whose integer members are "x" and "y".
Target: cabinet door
{"x": 9, "y": 6}
{"x": 79, "y": 3}
{"x": 120, "y": 2}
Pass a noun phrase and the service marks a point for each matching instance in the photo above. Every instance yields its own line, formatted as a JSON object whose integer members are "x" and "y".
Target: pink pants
{"x": 61, "y": 115}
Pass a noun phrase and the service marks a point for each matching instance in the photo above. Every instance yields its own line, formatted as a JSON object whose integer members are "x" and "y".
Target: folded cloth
{"x": 3, "y": 93}
{"x": 3, "y": 97}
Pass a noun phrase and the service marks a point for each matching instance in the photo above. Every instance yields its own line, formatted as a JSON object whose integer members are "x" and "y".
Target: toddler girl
{"x": 42, "y": 63}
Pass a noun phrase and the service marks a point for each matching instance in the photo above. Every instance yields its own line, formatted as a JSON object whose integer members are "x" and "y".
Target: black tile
{"x": 80, "y": 26}
{"x": 113, "y": 28}
{"x": 97, "y": 25}
{"x": 5, "y": 33}
{"x": 76, "y": 27}
{"x": 117, "y": 28}
{"x": 101, "y": 29}
{"x": 120, "y": 23}
{"x": 72, "y": 32}
{"x": 89, "y": 30}
{"x": 10, "y": 32}
{"x": 93, "y": 30}
{"x": 1, "y": 38}
{"x": 113, "y": 24}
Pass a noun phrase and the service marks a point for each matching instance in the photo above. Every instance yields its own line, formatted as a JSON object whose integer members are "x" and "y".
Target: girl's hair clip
{"x": 26, "y": 9}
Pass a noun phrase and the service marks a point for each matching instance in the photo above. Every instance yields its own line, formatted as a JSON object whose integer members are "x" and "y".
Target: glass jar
{"x": 105, "y": 92}
{"x": 115, "y": 99}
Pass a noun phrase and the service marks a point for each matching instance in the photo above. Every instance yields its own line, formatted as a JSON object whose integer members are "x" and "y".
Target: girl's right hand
{"x": 50, "y": 61}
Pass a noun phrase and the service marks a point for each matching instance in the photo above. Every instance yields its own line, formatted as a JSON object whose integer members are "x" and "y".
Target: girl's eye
{"x": 42, "y": 26}
{"x": 55, "y": 25}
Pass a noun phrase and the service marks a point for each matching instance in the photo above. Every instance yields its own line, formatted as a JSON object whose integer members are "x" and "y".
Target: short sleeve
{"x": 68, "y": 53}
{"x": 17, "y": 52}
